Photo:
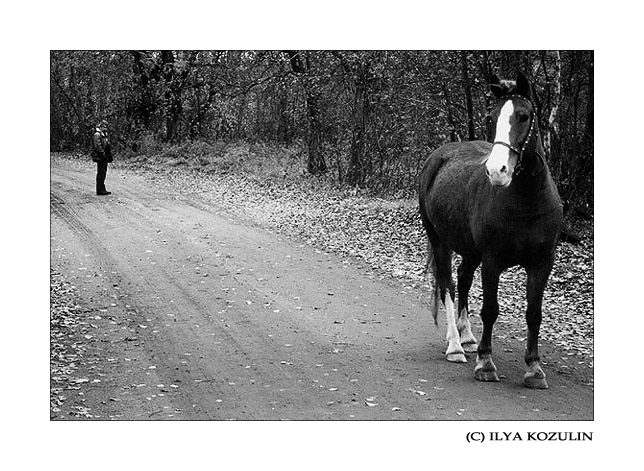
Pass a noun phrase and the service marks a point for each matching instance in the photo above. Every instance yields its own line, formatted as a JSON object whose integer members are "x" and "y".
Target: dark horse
{"x": 495, "y": 204}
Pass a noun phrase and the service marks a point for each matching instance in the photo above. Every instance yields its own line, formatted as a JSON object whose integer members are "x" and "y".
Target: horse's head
{"x": 512, "y": 121}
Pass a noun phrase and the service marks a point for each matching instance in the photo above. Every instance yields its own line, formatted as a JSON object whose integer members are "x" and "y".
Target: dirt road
{"x": 196, "y": 315}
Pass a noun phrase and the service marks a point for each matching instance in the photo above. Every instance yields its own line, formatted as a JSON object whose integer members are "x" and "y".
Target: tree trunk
{"x": 316, "y": 163}
{"x": 172, "y": 102}
{"x": 553, "y": 124}
{"x": 355, "y": 172}
{"x": 145, "y": 108}
{"x": 590, "y": 116}
{"x": 467, "y": 86}
{"x": 453, "y": 135}
{"x": 302, "y": 67}
{"x": 584, "y": 175}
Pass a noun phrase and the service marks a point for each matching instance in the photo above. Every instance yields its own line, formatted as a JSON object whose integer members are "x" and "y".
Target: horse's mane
{"x": 509, "y": 86}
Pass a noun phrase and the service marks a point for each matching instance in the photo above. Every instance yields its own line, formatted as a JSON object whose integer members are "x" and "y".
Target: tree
{"x": 467, "y": 88}
{"x": 367, "y": 118}
{"x": 301, "y": 66}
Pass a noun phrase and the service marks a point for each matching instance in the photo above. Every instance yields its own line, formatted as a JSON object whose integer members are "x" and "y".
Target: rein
{"x": 519, "y": 152}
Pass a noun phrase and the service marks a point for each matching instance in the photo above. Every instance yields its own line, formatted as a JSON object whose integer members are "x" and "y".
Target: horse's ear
{"x": 523, "y": 85}
{"x": 496, "y": 87}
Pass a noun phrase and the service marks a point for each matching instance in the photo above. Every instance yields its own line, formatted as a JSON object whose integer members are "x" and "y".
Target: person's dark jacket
{"x": 101, "y": 152}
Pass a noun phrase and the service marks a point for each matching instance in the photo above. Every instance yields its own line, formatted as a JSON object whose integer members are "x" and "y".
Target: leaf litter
{"x": 386, "y": 236}
{"x": 67, "y": 350}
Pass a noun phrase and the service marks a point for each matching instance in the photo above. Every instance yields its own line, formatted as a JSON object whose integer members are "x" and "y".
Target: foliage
{"x": 366, "y": 118}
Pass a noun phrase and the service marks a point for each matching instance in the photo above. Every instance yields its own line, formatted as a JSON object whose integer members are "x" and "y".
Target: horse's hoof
{"x": 535, "y": 381}
{"x": 535, "y": 378}
{"x": 456, "y": 357}
{"x": 486, "y": 375}
{"x": 485, "y": 370}
{"x": 470, "y": 347}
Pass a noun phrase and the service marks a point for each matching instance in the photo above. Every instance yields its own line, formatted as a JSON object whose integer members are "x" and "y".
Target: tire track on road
{"x": 235, "y": 339}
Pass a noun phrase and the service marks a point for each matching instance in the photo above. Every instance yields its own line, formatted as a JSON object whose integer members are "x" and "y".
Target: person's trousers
{"x": 101, "y": 173}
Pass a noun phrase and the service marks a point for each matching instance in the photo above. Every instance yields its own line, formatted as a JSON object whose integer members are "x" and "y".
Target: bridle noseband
{"x": 519, "y": 152}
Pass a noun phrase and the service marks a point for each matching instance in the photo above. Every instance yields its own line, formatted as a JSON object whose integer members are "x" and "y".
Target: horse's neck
{"x": 535, "y": 177}
{"x": 534, "y": 159}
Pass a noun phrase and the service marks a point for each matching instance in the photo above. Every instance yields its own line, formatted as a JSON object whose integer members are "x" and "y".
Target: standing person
{"x": 101, "y": 154}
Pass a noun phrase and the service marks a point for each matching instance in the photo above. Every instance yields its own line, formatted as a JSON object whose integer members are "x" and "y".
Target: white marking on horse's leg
{"x": 498, "y": 162}
{"x": 534, "y": 377}
{"x": 468, "y": 340}
{"x": 455, "y": 352}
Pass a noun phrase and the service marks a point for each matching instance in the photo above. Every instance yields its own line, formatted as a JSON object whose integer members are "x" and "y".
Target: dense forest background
{"x": 362, "y": 118}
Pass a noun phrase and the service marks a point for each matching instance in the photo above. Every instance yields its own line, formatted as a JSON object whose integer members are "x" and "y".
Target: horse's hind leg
{"x": 465, "y": 276}
{"x": 443, "y": 274}
{"x": 439, "y": 260}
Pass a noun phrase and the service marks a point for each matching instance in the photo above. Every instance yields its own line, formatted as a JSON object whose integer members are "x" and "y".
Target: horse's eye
{"x": 523, "y": 117}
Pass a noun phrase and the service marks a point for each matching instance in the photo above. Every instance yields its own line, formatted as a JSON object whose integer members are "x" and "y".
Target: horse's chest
{"x": 520, "y": 239}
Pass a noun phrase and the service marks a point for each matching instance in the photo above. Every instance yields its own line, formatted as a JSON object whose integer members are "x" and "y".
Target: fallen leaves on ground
{"x": 387, "y": 236}
{"x": 68, "y": 344}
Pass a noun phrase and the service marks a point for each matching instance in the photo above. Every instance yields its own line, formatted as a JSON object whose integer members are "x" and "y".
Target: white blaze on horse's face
{"x": 500, "y": 164}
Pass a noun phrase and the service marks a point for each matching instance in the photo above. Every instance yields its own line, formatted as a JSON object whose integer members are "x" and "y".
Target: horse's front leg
{"x": 485, "y": 369}
{"x": 536, "y": 284}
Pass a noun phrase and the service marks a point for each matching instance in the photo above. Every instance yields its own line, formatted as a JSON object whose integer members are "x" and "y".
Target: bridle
{"x": 516, "y": 150}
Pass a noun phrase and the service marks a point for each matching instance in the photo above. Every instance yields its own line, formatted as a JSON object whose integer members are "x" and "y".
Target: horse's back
{"x": 446, "y": 182}
{"x": 463, "y": 151}
{"x": 458, "y": 158}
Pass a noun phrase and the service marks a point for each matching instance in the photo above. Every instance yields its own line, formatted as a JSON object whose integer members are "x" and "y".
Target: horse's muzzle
{"x": 499, "y": 169}
{"x": 498, "y": 178}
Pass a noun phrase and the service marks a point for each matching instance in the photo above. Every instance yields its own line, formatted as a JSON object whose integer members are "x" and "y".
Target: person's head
{"x": 102, "y": 125}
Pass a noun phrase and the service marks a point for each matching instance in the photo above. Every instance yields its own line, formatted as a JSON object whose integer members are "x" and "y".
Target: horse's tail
{"x": 428, "y": 175}
{"x": 430, "y": 267}
{"x": 435, "y": 295}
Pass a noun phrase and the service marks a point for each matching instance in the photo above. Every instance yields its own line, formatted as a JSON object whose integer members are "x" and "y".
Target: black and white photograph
{"x": 321, "y": 235}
